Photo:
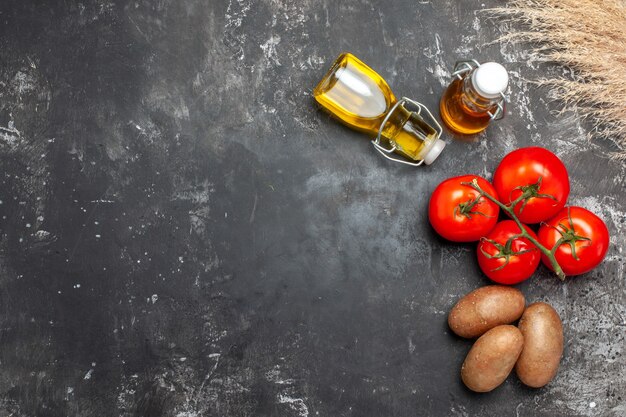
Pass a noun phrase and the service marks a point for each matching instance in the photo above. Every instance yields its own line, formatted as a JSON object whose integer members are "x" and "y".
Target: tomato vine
{"x": 509, "y": 209}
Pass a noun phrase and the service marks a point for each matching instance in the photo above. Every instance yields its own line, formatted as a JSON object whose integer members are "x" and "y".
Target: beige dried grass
{"x": 588, "y": 36}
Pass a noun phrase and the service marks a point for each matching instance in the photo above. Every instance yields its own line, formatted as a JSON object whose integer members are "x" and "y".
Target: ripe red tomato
{"x": 583, "y": 240}
{"x": 540, "y": 176}
{"x": 457, "y": 211}
{"x": 505, "y": 260}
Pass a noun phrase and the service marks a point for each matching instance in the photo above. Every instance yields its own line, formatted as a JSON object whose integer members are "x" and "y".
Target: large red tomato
{"x": 581, "y": 236}
{"x": 458, "y": 212}
{"x": 507, "y": 259}
{"x": 539, "y": 176}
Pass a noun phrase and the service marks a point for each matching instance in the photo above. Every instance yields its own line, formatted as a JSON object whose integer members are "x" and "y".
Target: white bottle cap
{"x": 490, "y": 79}
{"x": 434, "y": 151}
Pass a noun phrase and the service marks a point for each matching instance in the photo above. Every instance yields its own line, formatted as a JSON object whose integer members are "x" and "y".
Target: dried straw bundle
{"x": 588, "y": 36}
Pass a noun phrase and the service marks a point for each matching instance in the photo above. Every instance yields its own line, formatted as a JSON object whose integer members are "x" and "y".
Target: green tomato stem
{"x": 509, "y": 210}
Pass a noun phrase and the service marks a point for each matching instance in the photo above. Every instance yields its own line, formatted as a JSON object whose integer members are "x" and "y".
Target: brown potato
{"x": 492, "y": 358}
{"x": 484, "y": 309}
{"x": 543, "y": 345}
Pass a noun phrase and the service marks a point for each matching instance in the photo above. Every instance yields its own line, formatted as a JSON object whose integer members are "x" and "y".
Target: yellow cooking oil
{"x": 361, "y": 98}
{"x": 464, "y": 112}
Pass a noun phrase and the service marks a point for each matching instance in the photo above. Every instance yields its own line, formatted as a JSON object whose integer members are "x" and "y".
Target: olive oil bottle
{"x": 475, "y": 97}
{"x": 361, "y": 98}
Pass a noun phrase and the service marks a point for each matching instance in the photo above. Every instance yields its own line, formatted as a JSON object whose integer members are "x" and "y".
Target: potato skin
{"x": 543, "y": 345}
{"x": 484, "y": 309}
{"x": 492, "y": 358}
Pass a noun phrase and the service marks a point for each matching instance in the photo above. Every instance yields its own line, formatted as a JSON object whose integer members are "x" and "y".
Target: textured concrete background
{"x": 184, "y": 233}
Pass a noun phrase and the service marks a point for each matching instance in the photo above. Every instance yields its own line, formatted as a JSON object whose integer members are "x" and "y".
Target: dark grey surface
{"x": 184, "y": 233}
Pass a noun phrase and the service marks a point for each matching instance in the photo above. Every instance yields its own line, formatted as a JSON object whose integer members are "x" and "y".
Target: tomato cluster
{"x": 531, "y": 185}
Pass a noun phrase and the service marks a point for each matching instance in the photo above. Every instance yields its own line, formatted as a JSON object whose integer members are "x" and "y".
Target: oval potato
{"x": 484, "y": 309}
{"x": 543, "y": 345}
{"x": 492, "y": 358}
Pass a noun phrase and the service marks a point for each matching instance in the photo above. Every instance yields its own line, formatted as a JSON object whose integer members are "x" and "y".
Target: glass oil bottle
{"x": 361, "y": 99}
{"x": 475, "y": 97}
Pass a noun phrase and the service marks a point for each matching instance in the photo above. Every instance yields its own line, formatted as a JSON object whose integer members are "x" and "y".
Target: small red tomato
{"x": 582, "y": 239}
{"x": 505, "y": 258}
{"x": 459, "y": 213}
{"x": 538, "y": 176}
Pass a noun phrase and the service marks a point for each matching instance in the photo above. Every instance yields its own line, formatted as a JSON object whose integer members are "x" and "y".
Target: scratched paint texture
{"x": 184, "y": 233}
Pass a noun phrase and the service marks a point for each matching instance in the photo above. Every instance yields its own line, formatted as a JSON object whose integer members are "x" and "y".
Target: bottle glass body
{"x": 464, "y": 110}
{"x": 361, "y": 99}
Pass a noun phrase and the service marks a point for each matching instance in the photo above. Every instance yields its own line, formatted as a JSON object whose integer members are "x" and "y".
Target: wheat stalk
{"x": 588, "y": 36}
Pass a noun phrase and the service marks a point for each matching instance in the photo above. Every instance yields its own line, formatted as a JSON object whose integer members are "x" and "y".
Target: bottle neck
{"x": 473, "y": 100}
{"x": 409, "y": 133}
